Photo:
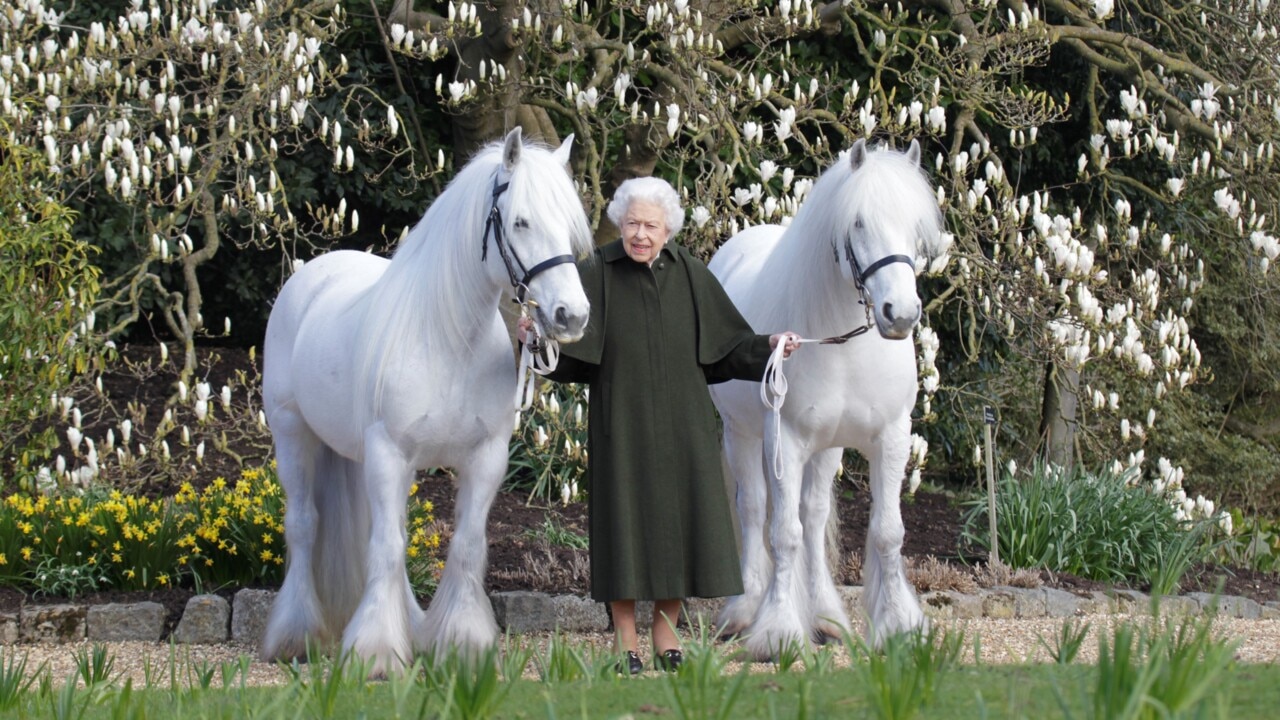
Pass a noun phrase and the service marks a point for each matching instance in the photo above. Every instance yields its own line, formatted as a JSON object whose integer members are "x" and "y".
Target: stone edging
{"x": 209, "y": 619}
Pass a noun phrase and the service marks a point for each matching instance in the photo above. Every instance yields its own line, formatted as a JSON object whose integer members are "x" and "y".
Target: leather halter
{"x": 860, "y": 281}
{"x": 494, "y": 224}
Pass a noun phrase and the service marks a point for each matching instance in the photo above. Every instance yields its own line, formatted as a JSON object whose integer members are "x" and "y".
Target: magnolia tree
{"x": 179, "y": 111}
{"x": 1088, "y": 158}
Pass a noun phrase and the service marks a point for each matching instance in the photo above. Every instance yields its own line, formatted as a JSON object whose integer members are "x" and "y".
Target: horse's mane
{"x": 436, "y": 287}
{"x": 889, "y": 189}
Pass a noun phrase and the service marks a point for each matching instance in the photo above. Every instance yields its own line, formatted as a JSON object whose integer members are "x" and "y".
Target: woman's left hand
{"x": 791, "y": 339}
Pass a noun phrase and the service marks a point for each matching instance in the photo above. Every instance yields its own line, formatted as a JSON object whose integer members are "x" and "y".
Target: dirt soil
{"x": 520, "y": 557}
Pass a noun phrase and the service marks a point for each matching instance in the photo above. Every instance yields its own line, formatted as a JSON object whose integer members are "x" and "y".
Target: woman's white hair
{"x": 651, "y": 190}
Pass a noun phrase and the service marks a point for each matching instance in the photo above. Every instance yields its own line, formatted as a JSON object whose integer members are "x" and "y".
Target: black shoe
{"x": 668, "y": 661}
{"x": 635, "y": 665}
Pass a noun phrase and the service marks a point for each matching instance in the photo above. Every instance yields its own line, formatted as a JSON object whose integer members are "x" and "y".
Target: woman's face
{"x": 644, "y": 231}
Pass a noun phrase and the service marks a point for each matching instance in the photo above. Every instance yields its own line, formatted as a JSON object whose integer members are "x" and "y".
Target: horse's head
{"x": 540, "y": 228}
{"x": 892, "y": 217}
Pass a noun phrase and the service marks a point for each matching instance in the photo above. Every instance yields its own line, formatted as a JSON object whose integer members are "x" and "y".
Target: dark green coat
{"x": 660, "y": 520}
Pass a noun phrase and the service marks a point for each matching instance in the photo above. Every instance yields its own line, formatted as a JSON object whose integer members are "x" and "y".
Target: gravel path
{"x": 1002, "y": 641}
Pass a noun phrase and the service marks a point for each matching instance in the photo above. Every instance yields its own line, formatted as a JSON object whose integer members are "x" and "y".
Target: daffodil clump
{"x": 232, "y": 534}
{"x": 224, "y": 534}
{"x": 549, "y": 451}
{"x": 422, "y": 556}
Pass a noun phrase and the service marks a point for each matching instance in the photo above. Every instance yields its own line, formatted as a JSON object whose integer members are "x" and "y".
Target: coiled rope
{"x": 773, "y": 387}
{"x": 538, "y": 355}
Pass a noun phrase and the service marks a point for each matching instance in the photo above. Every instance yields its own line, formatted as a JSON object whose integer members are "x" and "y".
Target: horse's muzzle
{"x": 564, "y": 324}
{"x": 894, "y": 324}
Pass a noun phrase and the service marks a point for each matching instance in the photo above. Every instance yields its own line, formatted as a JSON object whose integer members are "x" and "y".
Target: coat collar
{"x": 614, "y": 251}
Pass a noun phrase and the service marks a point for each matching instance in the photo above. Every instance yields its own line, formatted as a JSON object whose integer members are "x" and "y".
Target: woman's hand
{"x": 791, "y": 339}
{"x": 523, "y": 326}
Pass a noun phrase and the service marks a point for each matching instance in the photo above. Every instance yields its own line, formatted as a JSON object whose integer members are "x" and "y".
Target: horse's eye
{"x": 520, "y": 223}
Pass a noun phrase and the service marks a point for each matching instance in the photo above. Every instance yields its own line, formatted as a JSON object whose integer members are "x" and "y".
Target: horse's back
{"x": 738, "y": 262}
{"x": 318, "y": 289}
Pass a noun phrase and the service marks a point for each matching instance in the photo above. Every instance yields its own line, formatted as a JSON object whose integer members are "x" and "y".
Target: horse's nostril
{"x": 888, "y": 312}
{"x": 562, "y": 316}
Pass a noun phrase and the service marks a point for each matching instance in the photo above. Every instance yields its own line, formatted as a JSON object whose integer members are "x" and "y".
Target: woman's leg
{"x": 666, "y": 615}
{"x": 624, "y": 625}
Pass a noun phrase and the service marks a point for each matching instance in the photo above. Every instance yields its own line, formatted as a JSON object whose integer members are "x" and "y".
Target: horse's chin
{"x": 894, "y": 331}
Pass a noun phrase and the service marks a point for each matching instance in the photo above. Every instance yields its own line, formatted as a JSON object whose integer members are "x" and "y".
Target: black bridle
{"x": 860, "y": 281}
{"x": 519, "y": 283}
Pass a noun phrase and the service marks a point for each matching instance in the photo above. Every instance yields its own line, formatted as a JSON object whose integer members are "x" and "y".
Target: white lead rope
{"x": 530, "y": 363}
{"x": 773, "y": 393}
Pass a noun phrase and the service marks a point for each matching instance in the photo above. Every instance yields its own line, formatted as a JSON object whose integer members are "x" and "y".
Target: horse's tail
{"x": 343, "y": 518}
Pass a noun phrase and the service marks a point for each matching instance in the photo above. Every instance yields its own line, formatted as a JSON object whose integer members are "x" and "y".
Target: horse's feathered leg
{"x": 296, "y": 615}
{"x": 343, "y": 511}
{"x": 460, "y": 616}
{"x": 782, "y": 618}
{"x": 379, "y": 630}
{"x": 742, "y": 470}
{"x": 827, "y": 614}
{"x": 888, "y": 598}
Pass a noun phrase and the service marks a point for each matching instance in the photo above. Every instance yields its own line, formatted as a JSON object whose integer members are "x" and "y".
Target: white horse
{"x": 375, "y": 368}
{"x": 855, "y": 241}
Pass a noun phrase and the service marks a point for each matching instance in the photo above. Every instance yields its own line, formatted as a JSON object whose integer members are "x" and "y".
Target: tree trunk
{"x": 1058, "y": 418}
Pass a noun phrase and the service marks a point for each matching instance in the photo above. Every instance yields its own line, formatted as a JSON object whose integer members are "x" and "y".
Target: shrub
{"x": 47, "y": 288}
{"x": 548, "y": 452}
{"x": 1103, "y": 525}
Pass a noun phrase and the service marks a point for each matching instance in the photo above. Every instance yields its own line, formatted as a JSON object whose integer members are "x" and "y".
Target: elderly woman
{"x": 661, "y": 329}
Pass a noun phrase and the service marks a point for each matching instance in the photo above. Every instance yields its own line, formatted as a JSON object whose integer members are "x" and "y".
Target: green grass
{"x": 1038, "y": 691}
{"x": 1151, "y": 669}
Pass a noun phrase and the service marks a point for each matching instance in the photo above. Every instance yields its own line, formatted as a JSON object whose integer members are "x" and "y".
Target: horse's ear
{"x": 511, "y": 148}
{"x": 913, "y": 152}
{"x": 858, "y": 154}
{"x": 562, "y": 153}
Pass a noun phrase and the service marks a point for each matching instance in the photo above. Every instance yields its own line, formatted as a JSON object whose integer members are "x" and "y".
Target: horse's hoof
{"x": 822, "y": 637}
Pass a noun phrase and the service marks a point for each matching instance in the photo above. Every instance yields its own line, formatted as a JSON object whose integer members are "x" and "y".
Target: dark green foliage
{"x": 1095, "y": 525}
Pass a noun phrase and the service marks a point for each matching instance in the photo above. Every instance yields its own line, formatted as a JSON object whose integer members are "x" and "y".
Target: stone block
{"x": 938, "y": 605}
{"x": 1245, "y": 608}
{"x": 142, "y": 621}
{"x": 52, "y": 623}
{"x": 999, "y": 604}
{"x": 523, "y": 611}
{"x": 249, "y": 611}
{"x": 1027, "y": 602}
{"x": 1130, "y": 602}
{"x": 1178, "y": 606}
{"x": 204, "y": 620}
{"x": 8, "y": 628}
{"x": 1095, "y": 603}
{"x": 1060, "y": 603}
{"x": 1271, "y": 610}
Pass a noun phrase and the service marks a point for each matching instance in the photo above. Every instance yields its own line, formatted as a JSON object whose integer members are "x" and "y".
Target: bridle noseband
{"x": 860, "y": 281}
{"x": 519, "y": 283}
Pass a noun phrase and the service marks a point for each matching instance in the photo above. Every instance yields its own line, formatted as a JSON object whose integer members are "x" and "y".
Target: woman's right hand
{"x": 523, "y": 326}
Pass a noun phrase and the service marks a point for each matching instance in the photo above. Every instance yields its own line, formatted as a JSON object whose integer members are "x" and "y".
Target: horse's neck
{"x": 819, "y": 301}
{"x": 412, "y": 311}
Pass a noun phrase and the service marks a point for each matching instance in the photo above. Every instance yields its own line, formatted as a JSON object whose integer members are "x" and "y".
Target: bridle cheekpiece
{"x": 519, "y": 281}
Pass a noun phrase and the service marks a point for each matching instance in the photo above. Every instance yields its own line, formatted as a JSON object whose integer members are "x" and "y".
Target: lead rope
{"x": 532, "y": 352}
{"x": 773, "y": 393}
{"x": 773, "y": 387}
